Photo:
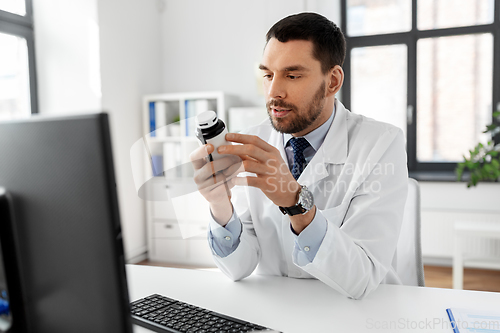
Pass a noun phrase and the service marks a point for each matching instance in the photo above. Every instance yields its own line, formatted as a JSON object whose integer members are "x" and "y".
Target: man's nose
{"x": 277, "y": 88}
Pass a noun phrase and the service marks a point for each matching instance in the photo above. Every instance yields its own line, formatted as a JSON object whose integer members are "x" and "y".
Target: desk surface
{"x": 298, "y": 305}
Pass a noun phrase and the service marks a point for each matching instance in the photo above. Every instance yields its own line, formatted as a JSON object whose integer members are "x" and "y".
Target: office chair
{"x": 409, "y": 252}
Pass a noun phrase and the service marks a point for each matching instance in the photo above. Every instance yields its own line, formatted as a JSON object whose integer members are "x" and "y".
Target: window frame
{"x": 436, "y": 171}
{"x": 22, "y": 26}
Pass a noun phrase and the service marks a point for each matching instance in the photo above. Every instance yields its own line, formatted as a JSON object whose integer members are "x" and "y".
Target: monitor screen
{"x": 59, "y": 174}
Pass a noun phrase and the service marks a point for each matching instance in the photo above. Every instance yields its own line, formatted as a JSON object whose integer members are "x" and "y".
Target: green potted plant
{"x": 484, "y": 161}
{"x": 175, "y": 126}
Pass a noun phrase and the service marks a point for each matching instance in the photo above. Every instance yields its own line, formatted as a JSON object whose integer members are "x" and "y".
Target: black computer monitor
{"x": 60, "y": 229}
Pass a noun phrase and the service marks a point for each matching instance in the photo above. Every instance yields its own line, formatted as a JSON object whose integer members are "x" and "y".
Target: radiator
{"x": 437, "y": 235}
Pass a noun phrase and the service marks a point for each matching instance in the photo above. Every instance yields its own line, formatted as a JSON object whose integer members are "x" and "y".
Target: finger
{"x": 250, "y": 150}
{"x": 256, "y": 167}
{"x": 197, "y": 157}
{"x": 233, "y": 170}
{"x": 214, "y": 181}
{"x": 224, "y": 163}
{"x": 209, "y": 169}
{"x": 247, "y": 181}
{"x": 249, "y": 139}
{"x": 236, "y": 168}
{"x": 249, "y": 166}
{"x": 222, "y": 187}
{"x": 246, "y": 157}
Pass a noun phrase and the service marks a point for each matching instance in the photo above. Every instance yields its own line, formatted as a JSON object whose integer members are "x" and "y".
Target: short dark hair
{"x": 327, "y": 38}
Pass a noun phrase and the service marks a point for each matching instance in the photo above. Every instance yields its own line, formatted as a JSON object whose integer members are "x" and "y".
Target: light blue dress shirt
{"x": 224, "y": 240}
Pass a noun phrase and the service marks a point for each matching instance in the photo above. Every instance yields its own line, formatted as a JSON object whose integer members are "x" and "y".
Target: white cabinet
{"x": 176, "y": 228}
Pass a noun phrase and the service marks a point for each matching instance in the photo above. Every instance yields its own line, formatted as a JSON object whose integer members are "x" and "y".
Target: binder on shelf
{"x": 157, "y": 162}
{"x": 172, "y": 159}
{"x": 201, "y": 106}
{"x": 152, "y": 117}
{"x": 191, "y": 110}
{"x": 466, "y": 320}
{"x": 161, "y": 119}
{"x": 187, "y": 105}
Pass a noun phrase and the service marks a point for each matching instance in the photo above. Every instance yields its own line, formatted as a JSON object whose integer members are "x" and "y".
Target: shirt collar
{"x": 316, "y": 137}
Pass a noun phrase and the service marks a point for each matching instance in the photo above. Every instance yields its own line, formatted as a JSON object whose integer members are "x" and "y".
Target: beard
{"x": 301, "y": 119}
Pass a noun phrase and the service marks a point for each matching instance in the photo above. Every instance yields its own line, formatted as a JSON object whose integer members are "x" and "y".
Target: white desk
{"x": 296, "y": 305}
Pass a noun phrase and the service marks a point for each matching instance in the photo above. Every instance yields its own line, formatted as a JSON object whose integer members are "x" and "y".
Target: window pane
{"x": 379, "y": 83}
{"x": 14, "y": 6}
{"x": 370, "y": 17}
{"x": 454, "y": 95}
{"x": 14, "y": 78}
{"x": 434, "y": 14}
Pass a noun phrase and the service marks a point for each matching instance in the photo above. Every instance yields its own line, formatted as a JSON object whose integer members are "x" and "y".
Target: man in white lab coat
{"x": 320, "y": 191}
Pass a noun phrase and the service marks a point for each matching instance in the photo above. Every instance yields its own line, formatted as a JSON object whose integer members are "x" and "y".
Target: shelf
{"x": 173, "y": 181}
{"x": 171, "y": 155}
{"x": 172, "y": 139}
{"x": 188, "y": 95}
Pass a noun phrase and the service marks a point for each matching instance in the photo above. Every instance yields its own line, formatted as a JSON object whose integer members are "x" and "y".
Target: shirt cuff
{"x": 224, "y": 240}
{"x": 307, "y": 243}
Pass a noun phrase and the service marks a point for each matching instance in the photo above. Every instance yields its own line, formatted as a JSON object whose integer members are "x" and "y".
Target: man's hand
{"x": 214, "y": 181}
{"x": 273, "y": 176}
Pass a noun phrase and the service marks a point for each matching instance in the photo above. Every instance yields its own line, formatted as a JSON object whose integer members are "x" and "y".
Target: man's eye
{"x": 293, "y": 77}
{"x": 267, "y": 76}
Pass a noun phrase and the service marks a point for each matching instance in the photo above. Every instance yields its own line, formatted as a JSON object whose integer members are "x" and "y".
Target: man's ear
{"x": 335, "y": 80}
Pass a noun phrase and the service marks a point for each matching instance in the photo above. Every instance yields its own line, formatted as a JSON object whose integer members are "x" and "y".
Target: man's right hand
{"x": 214, "y": 181}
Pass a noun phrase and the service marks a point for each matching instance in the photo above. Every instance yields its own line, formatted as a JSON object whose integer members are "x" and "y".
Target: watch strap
{"x": 294, "y": 210}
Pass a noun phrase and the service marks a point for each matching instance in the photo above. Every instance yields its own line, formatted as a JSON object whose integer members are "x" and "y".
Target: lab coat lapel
{"x": 332, "y": 151}
{"x": 276, "y": 139}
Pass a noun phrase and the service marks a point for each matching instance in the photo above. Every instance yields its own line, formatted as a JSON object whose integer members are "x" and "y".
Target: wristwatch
{"x": 305, "y": 203}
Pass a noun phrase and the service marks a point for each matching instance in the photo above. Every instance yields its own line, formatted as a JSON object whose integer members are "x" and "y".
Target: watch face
{"x": 306, "y": 199}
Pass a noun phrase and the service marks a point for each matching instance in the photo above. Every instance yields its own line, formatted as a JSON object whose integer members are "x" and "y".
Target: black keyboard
{"x": 163, "y": 314}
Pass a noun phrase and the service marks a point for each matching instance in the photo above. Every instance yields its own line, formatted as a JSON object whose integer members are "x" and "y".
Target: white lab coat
{"x": 359, "y": 181}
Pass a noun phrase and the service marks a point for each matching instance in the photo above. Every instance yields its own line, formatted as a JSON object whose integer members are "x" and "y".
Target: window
{"x": 430, "y": 67}
{"x": 18, "y": 95}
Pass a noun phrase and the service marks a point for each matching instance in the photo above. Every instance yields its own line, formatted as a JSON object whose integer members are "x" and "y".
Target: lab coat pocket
{"x": 336, "y": 215}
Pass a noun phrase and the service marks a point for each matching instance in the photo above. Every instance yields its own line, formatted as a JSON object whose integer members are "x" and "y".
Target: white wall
{"x": 457, "y": 197}
{"x": 130, "y": 68}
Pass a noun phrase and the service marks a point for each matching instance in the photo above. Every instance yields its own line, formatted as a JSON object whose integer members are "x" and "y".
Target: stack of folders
{"x": 466, "y": 321}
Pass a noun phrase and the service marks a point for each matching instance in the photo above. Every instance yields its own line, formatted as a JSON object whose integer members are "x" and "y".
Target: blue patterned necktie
{"x": 299, "y": 161}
